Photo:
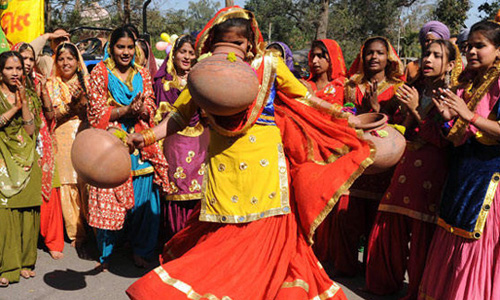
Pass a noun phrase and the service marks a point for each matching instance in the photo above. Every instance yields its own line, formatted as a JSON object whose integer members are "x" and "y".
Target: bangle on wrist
{"x": 149, "y": 137}
{"x": 3, "y": 120}
{"x": 474, "y": 119}
{"x": 29, "y": 122}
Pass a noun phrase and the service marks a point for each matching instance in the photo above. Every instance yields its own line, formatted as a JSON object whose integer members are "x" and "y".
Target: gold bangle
{"x": 29, "y": 122}
{"x": 149, "y": 137}
{"x": 3, "y": 120}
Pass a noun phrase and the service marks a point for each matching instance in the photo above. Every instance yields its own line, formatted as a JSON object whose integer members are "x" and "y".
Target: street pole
{"x": 269, "y": 33}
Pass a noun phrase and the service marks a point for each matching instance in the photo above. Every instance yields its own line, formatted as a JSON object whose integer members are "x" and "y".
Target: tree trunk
{"x": 77, "y": 5}
{"x": 323, "y": 20}
{"x": 119, "y": 8}
{"x": 126, "y": 11}
{"x": 229, "y": 3}
{"x": 48, "y": 15}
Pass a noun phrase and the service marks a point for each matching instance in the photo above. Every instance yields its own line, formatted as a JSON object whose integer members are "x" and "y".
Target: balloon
{"x": 169, "y": 47}
{"x": 161, "y": 46}
{"x": 164, "y": 36}
{"x": 173, "y": 37}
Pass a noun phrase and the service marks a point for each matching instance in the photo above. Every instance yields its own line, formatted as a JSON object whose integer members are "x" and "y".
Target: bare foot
{"x": 4, "y": 282}
{"x": 73, "y": 243}
{"x": 27, "y": 274}
{"x": 56, "y": 255}
{"x": 102, "y": 267}
{"x": 140, "y": 261}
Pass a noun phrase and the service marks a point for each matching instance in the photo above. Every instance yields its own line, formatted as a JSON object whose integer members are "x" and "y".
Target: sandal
{"x": 4, "y": 282}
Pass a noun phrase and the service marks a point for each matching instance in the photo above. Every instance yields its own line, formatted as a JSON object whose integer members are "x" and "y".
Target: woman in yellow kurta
{"x": 247, "y": 224}
{"x": 67, "y": 89}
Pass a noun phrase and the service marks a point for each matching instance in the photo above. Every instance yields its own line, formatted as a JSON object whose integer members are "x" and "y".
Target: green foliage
{"x": 453, "y": 13}
{"x": 489, "y": 10}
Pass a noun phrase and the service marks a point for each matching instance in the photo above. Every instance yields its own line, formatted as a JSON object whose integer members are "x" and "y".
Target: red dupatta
{"x": 333, "y": 92}
{"x": 324, "y": 153}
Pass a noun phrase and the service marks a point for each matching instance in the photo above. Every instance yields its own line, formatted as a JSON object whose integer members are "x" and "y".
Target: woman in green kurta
{"x": 20, "y": 174}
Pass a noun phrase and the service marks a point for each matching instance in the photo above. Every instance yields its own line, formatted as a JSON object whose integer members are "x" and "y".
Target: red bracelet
{"x": 474, "y": 119}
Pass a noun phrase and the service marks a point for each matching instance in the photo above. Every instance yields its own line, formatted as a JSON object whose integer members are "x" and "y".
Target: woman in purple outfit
{"x": 186, "y": 150}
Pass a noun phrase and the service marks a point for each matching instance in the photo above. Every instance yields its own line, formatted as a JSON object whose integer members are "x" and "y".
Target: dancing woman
{"x": 246, "y": 240}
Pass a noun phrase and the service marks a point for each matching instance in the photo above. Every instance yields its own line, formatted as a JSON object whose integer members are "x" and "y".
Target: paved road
{"x": 75, "y": 279}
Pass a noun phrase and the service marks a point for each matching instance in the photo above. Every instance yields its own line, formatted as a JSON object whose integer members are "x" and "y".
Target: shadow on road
{"x": 68, "y": 280}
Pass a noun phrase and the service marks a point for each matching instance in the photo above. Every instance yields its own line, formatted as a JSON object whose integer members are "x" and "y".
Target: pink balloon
{"x": 161, "y": 46}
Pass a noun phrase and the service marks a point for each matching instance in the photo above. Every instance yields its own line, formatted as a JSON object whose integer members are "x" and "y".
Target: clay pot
{"x": 389, "y": 143}
{"x": 223, "y": 84}
{"x": 100, "y": 158}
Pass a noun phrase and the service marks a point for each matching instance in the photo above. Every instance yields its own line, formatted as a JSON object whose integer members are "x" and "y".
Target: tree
{"x": 323, "y": 20}
{"x": 489, "y": 10}
{"x": 453, "y": 13}
{"x": 199, "y": 13}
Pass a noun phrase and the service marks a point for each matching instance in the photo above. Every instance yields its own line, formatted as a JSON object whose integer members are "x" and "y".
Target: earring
{"x": 249, "y": 55}
{"x": 447, "y": 79}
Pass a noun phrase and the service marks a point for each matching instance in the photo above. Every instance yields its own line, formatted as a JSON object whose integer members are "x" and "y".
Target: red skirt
{"x": 264, "y": 259}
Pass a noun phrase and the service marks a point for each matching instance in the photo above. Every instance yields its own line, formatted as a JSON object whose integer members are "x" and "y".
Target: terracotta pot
{"x": 100, "y": 158}
{"x": 389, "y": 143}
{"x": 223, "y": 84}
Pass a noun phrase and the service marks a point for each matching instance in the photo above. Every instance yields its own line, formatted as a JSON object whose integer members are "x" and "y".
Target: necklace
{"x": 9, "y": 95}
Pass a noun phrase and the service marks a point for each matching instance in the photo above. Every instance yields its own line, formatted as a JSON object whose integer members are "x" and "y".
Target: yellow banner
{"x": 23, "y": 20}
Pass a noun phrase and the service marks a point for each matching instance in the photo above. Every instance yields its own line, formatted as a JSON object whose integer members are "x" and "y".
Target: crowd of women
{"x": 247, "y": 206}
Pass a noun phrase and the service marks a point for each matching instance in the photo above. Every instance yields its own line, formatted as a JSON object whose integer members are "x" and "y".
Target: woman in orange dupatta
{"x": 328, "y": 71}
{"x": 246, "y": 240}
{"x": 375, "y": 76}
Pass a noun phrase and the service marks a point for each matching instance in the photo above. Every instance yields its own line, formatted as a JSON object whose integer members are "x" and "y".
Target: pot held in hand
{"x": 223, "y": 84}
{"x": 389, "y": 143}
{"x": 100, "y": 158}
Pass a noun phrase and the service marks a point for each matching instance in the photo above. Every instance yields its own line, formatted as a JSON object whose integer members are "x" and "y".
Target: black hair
{"x": 182, "y": 40}
{"x": 447, "y": 46}
{"x": 76, "y": 54}
{"x": 278, "y": 47}
{"x": 371, "y": 41}
{"x": 8, "y": 54}
{"x": 489, "y": 30}
{"x": 144, "y": 46}
{"x": 26, "y": 46}
{"x": 244, "y": 26}
{"x": 132, "y": 28}
{"x": 319, "y": 44}
{"x": 119, "y": 33}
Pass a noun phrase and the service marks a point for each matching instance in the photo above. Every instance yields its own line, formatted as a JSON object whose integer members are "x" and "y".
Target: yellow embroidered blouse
{"x": 246, "y": 177}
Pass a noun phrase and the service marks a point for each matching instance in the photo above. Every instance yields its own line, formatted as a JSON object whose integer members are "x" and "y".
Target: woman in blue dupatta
{"x": 122, "y": 96}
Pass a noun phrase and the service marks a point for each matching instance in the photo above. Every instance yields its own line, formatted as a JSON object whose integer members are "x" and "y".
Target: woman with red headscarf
{"x": 327, "y": 67}
{"x": 246, "y": 240}
{"x": 375, "y": 76}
